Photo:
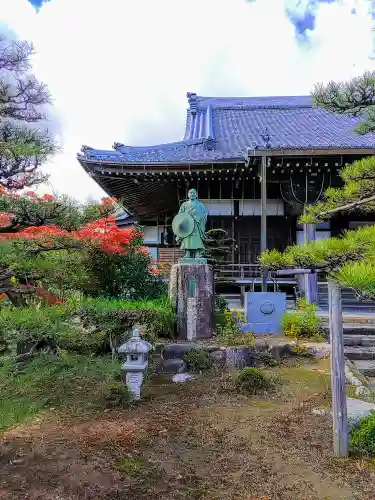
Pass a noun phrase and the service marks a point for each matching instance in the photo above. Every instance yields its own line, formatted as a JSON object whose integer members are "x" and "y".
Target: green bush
{"x": 198, "y": 360}
{"x": 253, "y": 381}
{"x": 221, "y": 304}
{"x": 50, "y": 326}
{"x": 115, "y": 393}
{"x": 362, "y": 438}
{"x": 117, "y": 316}
{"x": 125, "y": 276}
{"x": 229, "y": 333}
{"x": 266, "y": 358}
{"x": 87, "y": 326}
{"x": 300, "y": 351}
{"x": 303, "y": 323}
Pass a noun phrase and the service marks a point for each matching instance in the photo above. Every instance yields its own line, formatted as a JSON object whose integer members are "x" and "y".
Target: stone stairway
{"x": 359, "y": 340}
{"x": 350, "y": 303}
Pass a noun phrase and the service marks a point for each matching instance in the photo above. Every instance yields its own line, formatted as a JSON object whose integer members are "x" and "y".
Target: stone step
{"x": 360, "y": 353}
{"x": 359, "y": 340}
{"x": 366, "y": 367}
{"x": 353, "y": 330}
{"x": 350, "y": 320}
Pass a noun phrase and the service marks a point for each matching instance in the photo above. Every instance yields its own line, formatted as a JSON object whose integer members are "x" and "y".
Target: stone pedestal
{"x": 192, "y": 293}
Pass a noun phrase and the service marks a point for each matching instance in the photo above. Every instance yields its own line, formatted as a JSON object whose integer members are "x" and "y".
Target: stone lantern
{"x": 136, "y": 362}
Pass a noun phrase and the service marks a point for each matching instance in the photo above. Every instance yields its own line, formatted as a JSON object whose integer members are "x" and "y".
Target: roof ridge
{"x": 197, "y": 103}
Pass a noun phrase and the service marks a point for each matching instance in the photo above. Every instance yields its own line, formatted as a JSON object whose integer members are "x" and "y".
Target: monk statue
{"x": 189, "y": 226}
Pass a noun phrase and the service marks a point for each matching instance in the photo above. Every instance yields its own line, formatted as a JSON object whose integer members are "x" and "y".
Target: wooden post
{"x": 263, "y": 221}
{"x": 339, "y": 407}
{"x": 311, "y": 280}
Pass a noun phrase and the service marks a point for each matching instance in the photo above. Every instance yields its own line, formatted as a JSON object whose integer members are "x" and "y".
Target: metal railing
{"x": 238, "y": 272}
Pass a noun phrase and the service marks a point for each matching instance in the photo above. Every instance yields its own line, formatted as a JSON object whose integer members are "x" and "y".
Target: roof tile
{"x": 231, "y": 125}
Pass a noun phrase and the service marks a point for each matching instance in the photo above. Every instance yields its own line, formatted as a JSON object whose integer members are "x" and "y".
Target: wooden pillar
{"x": 311, "y": 280}
{"x": 339, "y": 407}
{"x": 263, "y": 222}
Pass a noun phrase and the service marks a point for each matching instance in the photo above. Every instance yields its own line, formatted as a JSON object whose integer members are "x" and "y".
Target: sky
{"x": 119, "y": 70}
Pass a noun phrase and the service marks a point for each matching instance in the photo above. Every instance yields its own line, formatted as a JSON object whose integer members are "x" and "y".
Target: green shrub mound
{"x": 118, "y": 316}
{"x": 362, "y": 438}
{"x": 303, "y": 323}
{"x": 91, "y": 326}
{"x": 253, "y": 381}
{"x": 198, "y": 360}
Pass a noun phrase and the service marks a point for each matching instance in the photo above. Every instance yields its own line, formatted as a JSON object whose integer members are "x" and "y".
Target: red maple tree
{"x": 38, "y": 224}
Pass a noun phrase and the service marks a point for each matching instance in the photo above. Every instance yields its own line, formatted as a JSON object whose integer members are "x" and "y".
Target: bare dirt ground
{"x": 196, "y": 441}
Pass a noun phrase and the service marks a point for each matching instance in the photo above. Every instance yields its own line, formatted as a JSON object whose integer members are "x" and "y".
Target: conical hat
{"x": 183, "y": 225}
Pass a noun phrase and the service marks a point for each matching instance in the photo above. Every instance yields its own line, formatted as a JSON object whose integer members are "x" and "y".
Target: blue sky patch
{"x": 38, "y": 3}
{"x": 303, "y": 18}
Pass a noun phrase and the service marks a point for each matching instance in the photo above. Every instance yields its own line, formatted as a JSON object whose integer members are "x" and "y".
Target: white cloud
{"x": 119, "y": 70}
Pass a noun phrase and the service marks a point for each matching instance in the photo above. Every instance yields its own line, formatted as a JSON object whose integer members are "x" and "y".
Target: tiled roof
{"x": 223, "y": 128}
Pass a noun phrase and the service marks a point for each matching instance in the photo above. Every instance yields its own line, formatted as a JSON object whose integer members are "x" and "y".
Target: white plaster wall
{"x": 253, "y": 207}
{"x": 219, "y": 207}
{"x": 151, "y": 234}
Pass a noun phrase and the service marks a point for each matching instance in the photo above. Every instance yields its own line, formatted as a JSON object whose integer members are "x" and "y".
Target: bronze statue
{"x": 189, "y": 226}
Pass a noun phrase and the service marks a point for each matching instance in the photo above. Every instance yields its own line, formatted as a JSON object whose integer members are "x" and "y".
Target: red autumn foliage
{"x": 47, "y": 297}
{"x": 103, "y": 233}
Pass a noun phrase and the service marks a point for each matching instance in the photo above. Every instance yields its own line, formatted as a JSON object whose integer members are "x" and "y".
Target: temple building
{"x": 256, "y": 162}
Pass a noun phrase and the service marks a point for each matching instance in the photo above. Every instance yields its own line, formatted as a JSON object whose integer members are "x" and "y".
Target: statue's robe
{"x": 198, "y": 211}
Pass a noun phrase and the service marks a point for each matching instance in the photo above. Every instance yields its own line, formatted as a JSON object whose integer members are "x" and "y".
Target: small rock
{"x": 281, "y": 351}
{"x": 261, "y": 345}
{"x": 17, "y": 461}
{"x": 358, "y": 410}
{"x": 173, "y": 351}
{"x": 219, "y": 357}
{"x": 320, "y": 352}
{"x": 239, "y": 357}
{"x": 183, "y": 377}
{"x": 361, "y": 390}
{"x": 320, "y": 411}
{"x": 174, "y": 366}
{"x": 76, "y": 320}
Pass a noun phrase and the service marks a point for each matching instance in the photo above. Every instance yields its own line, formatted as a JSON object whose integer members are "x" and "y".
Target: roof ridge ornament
{"x": 193, "y": 102}
{"x": 266, "y": 138}
{"x": 86, "y": 149}
{"x": 117, "y": 146}
{"x": 209, "y": 143}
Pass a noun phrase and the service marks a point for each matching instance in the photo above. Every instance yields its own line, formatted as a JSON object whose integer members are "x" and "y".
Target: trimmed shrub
{"x": 50, "y": 327}
{"x": 119, "y": 316}
{"x": 198, "y": 360}
{"x": 87, "y": 327}
{"x": 303, "y": 323}
{"x": 253, "y": 381}
{"x": 362, "y": 438}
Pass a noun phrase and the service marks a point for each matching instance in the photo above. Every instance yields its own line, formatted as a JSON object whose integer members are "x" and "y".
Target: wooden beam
{"x": 339, "y": 407}
{"x": 263, "y": 222}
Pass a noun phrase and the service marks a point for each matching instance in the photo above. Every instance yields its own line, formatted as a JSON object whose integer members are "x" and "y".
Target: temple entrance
{"x": 247, "y": 235}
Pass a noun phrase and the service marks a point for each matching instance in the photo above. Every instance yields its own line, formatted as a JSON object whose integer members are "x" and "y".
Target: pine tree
{"x": 218, "y": 246}
{"x": 25, "y": 144}
{"x": 348, "y": 259}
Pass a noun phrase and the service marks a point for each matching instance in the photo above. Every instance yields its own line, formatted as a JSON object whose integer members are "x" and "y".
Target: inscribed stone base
{"x": 191, "y": 290}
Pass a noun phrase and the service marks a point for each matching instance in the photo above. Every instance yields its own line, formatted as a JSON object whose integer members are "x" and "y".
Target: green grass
{"x": 79, "y": 384}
